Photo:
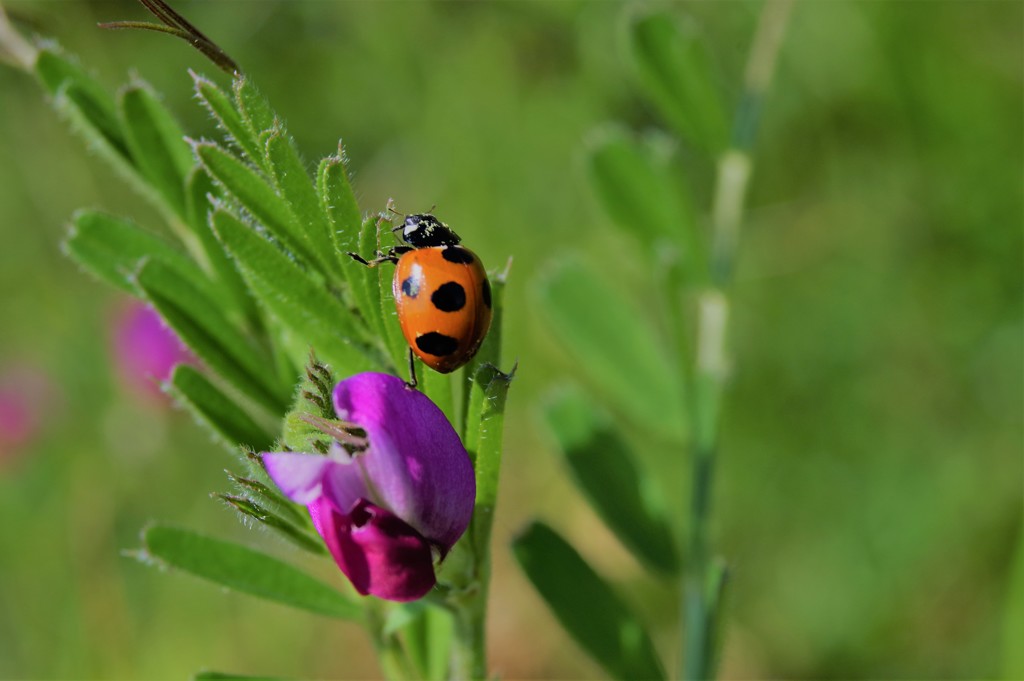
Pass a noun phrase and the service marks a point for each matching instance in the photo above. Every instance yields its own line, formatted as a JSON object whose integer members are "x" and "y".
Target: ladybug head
{"x": 426, "y": 231}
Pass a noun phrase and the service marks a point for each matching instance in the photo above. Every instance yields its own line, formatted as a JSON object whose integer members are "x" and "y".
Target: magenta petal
{"x": 380, "y": 554}
{"x": 416, "y": 466}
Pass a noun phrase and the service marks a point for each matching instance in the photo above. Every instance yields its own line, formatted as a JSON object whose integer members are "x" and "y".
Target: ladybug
{"x": 441, "y": 293}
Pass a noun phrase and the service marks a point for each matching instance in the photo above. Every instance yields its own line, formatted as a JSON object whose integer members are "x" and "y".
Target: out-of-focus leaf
{"x": 224, "y": 676}
{"x": 257, "y": 197}
{"x": 295, "y": 185}
{"x": 1013, "y": 622}
{"x": 217, "y": 411}
{"x": 111, "y": 248}
{"x": 427, "y": 634}
{"x": 298, "y": 302}
{"x": 94, "y": 107}
{"x": 586, "y": 605}
{"x": 606, "y": 471}
{"x": 613, "y": 347}
{"x": 251, "y": 509}
{"x": 674, "y": 68}
{"x": 243, "y": 569}
{"x": 638, "y": 188}
{"x": 203, "y": 327}
{"x": 222, "y": 107}
{"x": 157, "y": 144}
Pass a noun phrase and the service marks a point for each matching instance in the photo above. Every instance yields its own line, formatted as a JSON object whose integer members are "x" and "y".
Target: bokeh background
{"x": 870, "y": 489}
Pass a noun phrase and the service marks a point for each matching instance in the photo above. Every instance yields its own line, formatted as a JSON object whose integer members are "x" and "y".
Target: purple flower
{"x": 396, "y": 487}
{"x": 145, "y": 349}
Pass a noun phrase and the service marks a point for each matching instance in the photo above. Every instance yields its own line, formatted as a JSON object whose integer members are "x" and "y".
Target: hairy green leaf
{"x": 203, "y": 327}
{"x": 615, "y": 350}
{"x": 586, "y": 605}
{"x": 673, "y": 65}
{"x": 245, "y": 570}
{"x": 295, "y": 186}
{"x": 222, "y": 108}
{"x": 339, "y": 203}
{"x": 606, "y": 471}
{"x": 298, "y": 302}
{"x": 157, "y": 144}
{"x": 112, "y": 248}
{"x": 199, "y": 190}
{"x": 228, "y": 421}
{"x": 251, "y": 509}
{"x": 256, "y": 196}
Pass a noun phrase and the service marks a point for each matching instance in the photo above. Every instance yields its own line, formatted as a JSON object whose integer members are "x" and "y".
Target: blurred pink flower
{"x": 26, "y": 393}
{"x": 146, "y": 350}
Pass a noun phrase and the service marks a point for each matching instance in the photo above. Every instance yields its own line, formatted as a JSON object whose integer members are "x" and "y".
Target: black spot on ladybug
{"x": 411, "y": 286}
{"x": 457, "y": 254}
{"x": 487, "y": 293}
{"x": 449, "y": 297}
{"x": 437, "y": 344}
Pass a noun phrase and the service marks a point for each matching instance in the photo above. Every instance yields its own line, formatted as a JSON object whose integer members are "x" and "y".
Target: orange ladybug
{"x": 441, "y": 293}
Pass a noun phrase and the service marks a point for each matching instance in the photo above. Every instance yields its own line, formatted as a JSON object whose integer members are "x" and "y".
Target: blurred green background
{"x": 870, "y": 489}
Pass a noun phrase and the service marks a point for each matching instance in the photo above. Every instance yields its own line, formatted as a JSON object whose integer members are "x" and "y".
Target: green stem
{"x": 393, "y": 661}
{"x": 18, "y": 50}
{"x": 712, "y": 362}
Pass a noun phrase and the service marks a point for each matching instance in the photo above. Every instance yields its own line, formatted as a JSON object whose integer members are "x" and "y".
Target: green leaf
{"x": 254, "y": 107}
{"x": 222, "y": 108}
{"x": 157, "y": 144}
{"x": 1013, "y": 616}
{"x": 265, "y": 496}
{"x": 615, "y": 350}
{"x": 585, "y": 604}
{"x": 257, "y": 197}
{"x": 606, "y": 471}
{"x": 370, "y": 286}
{"x": 242, "y": 569}
{"x": 299, "y": 303}
{"x": 80, "y": 95}
{"x": 202, "y": 326}
{"x": 427, "y": 633}
{"x": 297, "y": 189}
{"x": 485, "y": 423}
{"x": 217, "y": 411}
{"x": 638, "y": 188}
{"x": 490, "y": 350}
{"x": 674, "y": 68}
{"x": 111, "y": 248}
{"x": 199, "y": 190}
{"x": 339, "y": 204}
{"x": 251, "y": 509}
{"x": 224, "y": 676}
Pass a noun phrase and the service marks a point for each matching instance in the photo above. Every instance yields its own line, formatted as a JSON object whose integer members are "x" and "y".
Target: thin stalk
{"x": 15, "y": 48}
{"x": 712, "y": 362}
{"x": 394, "y": 663}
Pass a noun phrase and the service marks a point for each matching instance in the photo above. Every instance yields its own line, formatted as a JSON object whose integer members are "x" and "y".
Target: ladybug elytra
{"x": 441, "y": 291}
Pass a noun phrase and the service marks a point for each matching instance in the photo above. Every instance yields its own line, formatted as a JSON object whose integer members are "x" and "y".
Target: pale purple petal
{"x": 416, "y": 466}
{"x": 299, "y": 476}
{"x": 380, "y": 554}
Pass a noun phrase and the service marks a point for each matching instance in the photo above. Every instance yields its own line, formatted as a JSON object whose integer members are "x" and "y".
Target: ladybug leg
{"x": 392, "y": 256}
{"x": 412, "y": 383}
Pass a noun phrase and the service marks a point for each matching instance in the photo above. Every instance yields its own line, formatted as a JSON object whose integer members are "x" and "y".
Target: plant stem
{"x": 393, "y": 661}
{"x": 20, "y": 51}
{"x": 712, "y": 363}
{"x": 469, "y": 652}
